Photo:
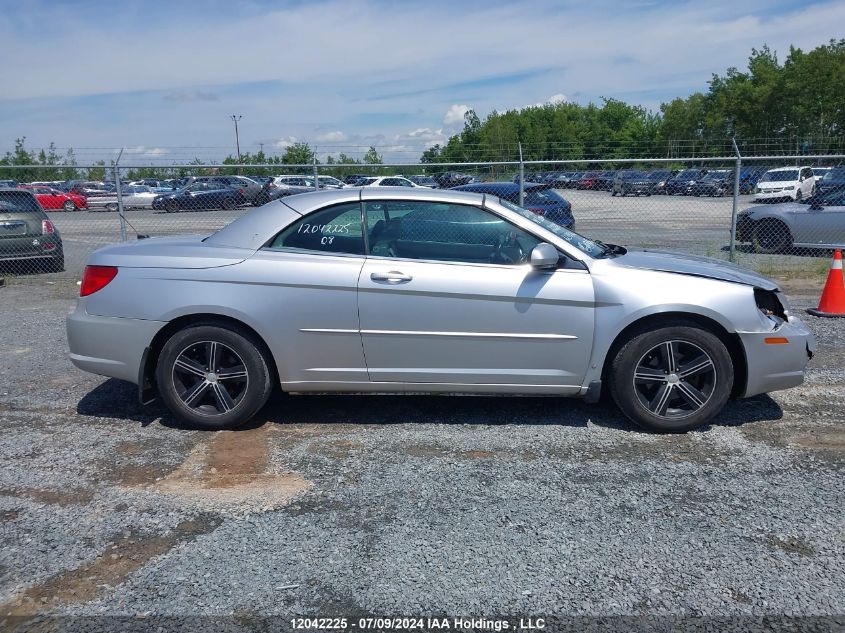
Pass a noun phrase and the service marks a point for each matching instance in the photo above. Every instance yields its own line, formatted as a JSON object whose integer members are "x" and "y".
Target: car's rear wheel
{"x": 111, "y": 206}
{"x": 69, "y": 205}
{"x": 213, "y": 377}
{"x": 771, "y": 236}
{"x": 672, "y": 379}
{"x": 229, "y": 203}
{"x": 171, "y": 206}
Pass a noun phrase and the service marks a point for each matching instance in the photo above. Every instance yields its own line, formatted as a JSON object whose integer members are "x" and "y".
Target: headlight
{"x": 771, "y": 304}
{"x": 788, "y": 188}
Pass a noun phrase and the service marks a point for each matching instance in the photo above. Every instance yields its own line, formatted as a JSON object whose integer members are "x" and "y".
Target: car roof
{"x": 499, "y": 188}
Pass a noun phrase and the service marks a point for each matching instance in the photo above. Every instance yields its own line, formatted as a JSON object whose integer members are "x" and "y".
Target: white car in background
{"x": 385, "y": 181}
{"x": 134, "y": 197}
{"x": 786, "y": 183}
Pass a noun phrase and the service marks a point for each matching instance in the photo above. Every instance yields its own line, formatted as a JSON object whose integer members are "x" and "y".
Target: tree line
{"x": 794, "y": 107}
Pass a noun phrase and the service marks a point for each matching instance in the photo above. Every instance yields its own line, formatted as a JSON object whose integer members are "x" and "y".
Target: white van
{"x": 786, "y": 183}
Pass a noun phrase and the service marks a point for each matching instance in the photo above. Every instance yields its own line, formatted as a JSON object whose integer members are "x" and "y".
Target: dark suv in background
{"x": 28, "y": 238}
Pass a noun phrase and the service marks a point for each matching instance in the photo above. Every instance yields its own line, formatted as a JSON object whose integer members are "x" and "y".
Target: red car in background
{"x": 54, "y": 200}
{"x": 588, "y": 180}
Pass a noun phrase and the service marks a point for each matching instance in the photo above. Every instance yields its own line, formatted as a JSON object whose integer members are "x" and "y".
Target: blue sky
{"x": 161, "y": 78}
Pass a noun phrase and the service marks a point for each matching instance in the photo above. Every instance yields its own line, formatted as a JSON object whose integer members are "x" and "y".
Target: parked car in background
{"x": 449, "y": 179}
{"x": 200, "y": 196}
{"x": 683, "y": 182}
{"x": 834, "y": 180}
{"x": 587, "y": 180}
{"x": 424, "y": 181}
{"x": 604, "y": 180}
{"x": 820, "y": 172}
{"x": 27, "y": 235}
{"x": 635, "y": 182}
{"x": 785, "y": 183}
{"x": 8, "y": 183}
{"x": 55, "y": 200}
{"x": 415, "y": 290}
{"x": 815, "y": 222}
{"x": 716, "y": 182}
{"x": 330, "y": 182}
{"x": 748, "y": 177}
{"x": 538, "y": 198}
{"x": 134, "y": 197}
{"x": 384, "y": 181}
{"x": 247, "y": 186}
{"x": 563, "y": 179}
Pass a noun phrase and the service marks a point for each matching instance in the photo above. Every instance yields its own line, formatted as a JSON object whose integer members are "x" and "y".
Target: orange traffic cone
{"x": 832, "y": 302}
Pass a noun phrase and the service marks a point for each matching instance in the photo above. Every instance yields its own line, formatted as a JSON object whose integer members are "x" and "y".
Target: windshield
{"x": 658, "y": 175}
{"x": 689, "y": 173}
{"x": 630, "y": 175}
{"x": 834, "y": 174}
{"x": 716, "y": 175}
{"x": 542, "y": 197}
{"x": 782, "y": 175}
{"x": 571, "y": 237}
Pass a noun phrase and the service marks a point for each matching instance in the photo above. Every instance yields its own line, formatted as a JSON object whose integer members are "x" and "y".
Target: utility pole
{"x": 237, "y": 118}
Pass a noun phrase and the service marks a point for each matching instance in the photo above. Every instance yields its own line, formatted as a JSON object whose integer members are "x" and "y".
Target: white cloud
{"x": 331, "y": 137}
{"x": 557, "y": 99}
{"x": 284, "y": 143}
{"x": 455, "y": 115}
{"x": 140, "y": 150}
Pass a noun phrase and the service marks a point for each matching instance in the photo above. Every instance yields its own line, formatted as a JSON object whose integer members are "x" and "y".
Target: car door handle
{"x": 392, "y": 277}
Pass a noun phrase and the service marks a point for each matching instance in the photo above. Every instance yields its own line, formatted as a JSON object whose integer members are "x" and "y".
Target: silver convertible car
{"x": 402, "y": 290}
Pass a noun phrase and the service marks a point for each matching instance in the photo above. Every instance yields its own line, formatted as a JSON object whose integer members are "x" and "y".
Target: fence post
{"x": 521, "y": 178}
{"x": 737, "y": 168}
{"x": 119, "y": 197}
{"x": 316, "y": 173}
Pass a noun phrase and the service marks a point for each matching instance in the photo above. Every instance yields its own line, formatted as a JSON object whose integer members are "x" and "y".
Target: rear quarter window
{"x": 19, "y": 202}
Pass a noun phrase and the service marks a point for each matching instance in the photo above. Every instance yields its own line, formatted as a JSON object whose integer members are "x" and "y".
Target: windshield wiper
{"x": 611, "y": 249}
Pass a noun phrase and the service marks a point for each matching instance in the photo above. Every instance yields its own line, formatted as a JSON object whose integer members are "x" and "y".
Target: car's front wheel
{"x": 672, "y": 379}
{"x": 771, "y": 236}
{"x": 69, "y": 205}
{"x": 213, "y": 377}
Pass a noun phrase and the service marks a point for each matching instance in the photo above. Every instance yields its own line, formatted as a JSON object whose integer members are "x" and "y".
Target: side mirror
{"x": 544, "y": 256}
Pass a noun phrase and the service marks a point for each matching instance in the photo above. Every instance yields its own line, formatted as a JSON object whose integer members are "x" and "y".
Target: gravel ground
{"x": 387, "y": 506}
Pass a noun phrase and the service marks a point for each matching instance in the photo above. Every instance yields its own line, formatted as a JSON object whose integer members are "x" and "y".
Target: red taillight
{"x": 241, "y": 191}
{"x": 96, "y": 278}
{"x": 47, "y": 227}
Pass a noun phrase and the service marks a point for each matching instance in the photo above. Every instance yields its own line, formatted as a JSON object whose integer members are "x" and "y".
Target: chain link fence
{"x": 775, "y": 214}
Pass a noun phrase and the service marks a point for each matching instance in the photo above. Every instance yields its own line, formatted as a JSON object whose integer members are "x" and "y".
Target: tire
{"x": 111, "y": 206}
{"x": 613, "y": 194}
{"x": 771, "y": 236}
{"x": 654, "y": 393}
{"x": 69, "y": 205}
{"x": 171, "y": 206}
{"x": 798, "y": 195}
{"x": 229, "y": 204}
{"x": 202, "y": 400}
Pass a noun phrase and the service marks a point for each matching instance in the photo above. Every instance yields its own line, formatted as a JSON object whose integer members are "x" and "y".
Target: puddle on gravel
{"x": 71, "y": 496}
{"x": 120, "y": 558}
{"x": 231, "y": 472}
{"x": 823, "y": 439}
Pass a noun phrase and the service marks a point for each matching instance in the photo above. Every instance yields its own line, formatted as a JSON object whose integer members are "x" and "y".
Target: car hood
{"x": 184, "y": 251}
{"x": 693, "y": 265}
{"x": 783, "y": 207}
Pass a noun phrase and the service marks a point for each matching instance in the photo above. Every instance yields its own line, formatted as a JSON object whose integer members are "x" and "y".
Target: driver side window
{"x": 445, "y": 232}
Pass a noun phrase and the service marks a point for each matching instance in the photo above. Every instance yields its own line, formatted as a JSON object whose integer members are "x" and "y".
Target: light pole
{"x": 237, "y": 118}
